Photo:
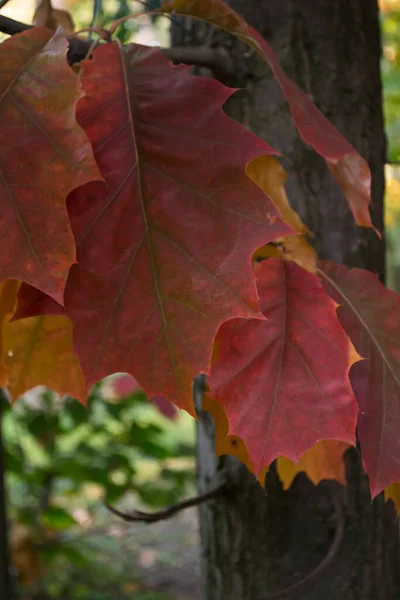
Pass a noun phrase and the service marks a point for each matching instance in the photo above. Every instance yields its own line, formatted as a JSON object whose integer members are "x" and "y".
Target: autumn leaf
{"x": 284, "y": 382}
{"x": 392, "y": 492}
{"x": 38, "y": 351}
{"x": 8, "y": 303}
{"x": 270, "y": 176}
{"x": 165, "y": 252}
{"x": 296, "y": 248}
{"x": 231, "y": 445}
{"x": 348, "y": 167}
{"x": 370, "y": 314}
{"x": 44, "y": 155}
{"x": 48, "y": 16}
{"x": 322, "y": 461}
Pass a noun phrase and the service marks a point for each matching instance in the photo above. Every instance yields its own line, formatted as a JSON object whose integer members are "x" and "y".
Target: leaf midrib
{"x": 145, "y": 220}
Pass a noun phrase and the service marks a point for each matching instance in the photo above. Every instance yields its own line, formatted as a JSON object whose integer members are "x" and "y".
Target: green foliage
{"x": 391, "y": 80}
{"x": 64, "y": 458}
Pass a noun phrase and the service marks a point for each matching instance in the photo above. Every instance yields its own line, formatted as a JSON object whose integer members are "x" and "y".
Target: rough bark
{"x": 256, "y": 542}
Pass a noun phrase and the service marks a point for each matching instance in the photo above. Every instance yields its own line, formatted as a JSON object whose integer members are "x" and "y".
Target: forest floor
{"x": 129, "y": 561}
{"x": 167, "y": 555}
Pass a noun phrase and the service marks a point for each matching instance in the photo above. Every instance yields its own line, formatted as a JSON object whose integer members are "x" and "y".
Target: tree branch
{"x": 218, "y": 61}
{"x": 143, "y": 517}
{"x": 11, "y": 27}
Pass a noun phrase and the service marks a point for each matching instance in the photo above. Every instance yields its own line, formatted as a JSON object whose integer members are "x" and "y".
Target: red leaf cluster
{"x": 142, "y": 180}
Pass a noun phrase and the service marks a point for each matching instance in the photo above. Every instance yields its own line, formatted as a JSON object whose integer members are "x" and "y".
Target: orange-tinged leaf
{"x": 165, "y": 251}
{"x": 322, "y": 461}
{"x": 292, "y": 247}
{"x": 296, "y": 248}
{"x": 347, "y": 166}
{"x": 284, "y": 382}
{"x": 48, "y": 16}
{"x": 38, "y": 351}
{"x": 225, "y": 443}
{"x": 270, "y": 176}
{"x": 370, "y": 314}
{"x": 44, "y": 155}
{"x": 8, "y": 303}
{"x": 392, "y": 492}
{"x": 264, "y": 252}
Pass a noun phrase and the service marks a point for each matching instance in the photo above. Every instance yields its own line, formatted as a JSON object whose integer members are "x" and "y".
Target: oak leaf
{"x": 270, "y": 176}
{"x": 8, "y": 304}
{"x": 370, "y": 314}
{"x": 48, "y": 16}
{"x": 38, "y": 351}
{"x": 392, "y": 492}
{"x": 348, "y": 167}
{"x": 322, "y": 461}
{"x": 44, "y": 155}
{"x": 231, "y": 445}
{"x": 284, "y": 382}
{"x": 165, "y": 251}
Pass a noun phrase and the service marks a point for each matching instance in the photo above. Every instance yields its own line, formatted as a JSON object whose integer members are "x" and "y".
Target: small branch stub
{"x": 138, "y": 516}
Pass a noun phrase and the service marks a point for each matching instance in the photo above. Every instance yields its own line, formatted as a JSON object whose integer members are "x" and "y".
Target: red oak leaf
{"x": 284, "y": 382}
{"x": 348, "y": 167}
{"x": 370, "y": 314}
{"x": 44, "y": 154}
{"x": 165, "y": 251}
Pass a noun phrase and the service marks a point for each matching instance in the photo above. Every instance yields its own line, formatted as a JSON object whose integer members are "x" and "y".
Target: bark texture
{"x": 256, "y": 542}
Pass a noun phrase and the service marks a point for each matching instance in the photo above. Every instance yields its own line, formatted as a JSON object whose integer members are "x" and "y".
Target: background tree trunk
{"x": 256, "y": 542}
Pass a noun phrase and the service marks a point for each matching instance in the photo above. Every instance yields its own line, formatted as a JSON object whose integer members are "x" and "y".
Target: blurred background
{"x": 64, "y": 461}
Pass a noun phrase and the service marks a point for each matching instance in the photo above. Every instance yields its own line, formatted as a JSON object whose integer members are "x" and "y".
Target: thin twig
{"x": 215, "y": 59}
{"x": 138, "y": 516}
{"x": 97, "y": 9}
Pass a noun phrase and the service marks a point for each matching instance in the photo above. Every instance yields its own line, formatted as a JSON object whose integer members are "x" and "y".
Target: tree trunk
{"x": 256, "y": 542}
